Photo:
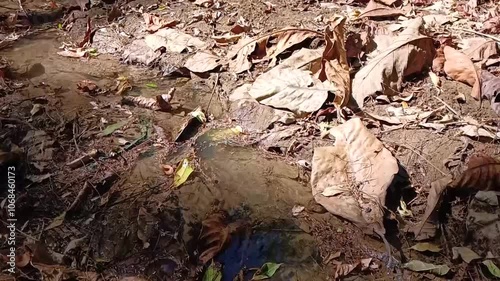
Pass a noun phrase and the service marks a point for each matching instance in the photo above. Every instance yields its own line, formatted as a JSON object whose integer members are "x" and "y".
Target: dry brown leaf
{"x": 123, "y": 86}
{"x": 215, "y": 234}
{"x": 459, "y": 67}
{"x": 202, "y": 62}
{"x": 154, "y": 22}
{"x": 482, "y": 173}
{"x": 24, "y": 256}
{"x": 161, "y": 102}
{"x": 287, "y": 39}
{"x": 479, "y": 49}
{"x": 492, "y": 25}
{"x": 344, "y": 269}
{"x": 292, "y": 89}
{"x": 87, "y": 86}
{"x": 490, "y": 89}
{"x": 378, "y": 10}
{"x": 350, "y": 179}
{"x": 73, "y": 52}
{"x": 408, "y": 54}
{"x": 242, "y": 51}
{"x": 334, "y": 65}
{"x": 305, "y": 59}
{"x": 227, "y": 38}
{"x": 173, "y": 40}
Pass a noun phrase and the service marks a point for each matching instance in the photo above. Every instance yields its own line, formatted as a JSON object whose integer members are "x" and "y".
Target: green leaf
{"x": 113, "y": 127}
{"x": 416, "y": 265}
{"x": 59, "y": 26}
{"x": 57, "y": 221}
{"x": 492, "y": 268}
{"x": 212, "y": 273}
{"x": 465, "y": 253}
{"x": 182, "y": 173}
{"x": 266, "y": 271}
{"x": 151, "y": 85}
{"x": 422, "y": 247}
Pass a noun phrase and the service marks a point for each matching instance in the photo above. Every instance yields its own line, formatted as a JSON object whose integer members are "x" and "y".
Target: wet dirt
{"x": 135, "y": 223}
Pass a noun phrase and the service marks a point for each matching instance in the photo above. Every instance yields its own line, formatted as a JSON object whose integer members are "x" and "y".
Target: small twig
{"x": 447, "y": 105}
{"x": 20, "y": 232}
{"x": 213, "y": 91}
{"x": 478, "y": 33}
{"x": 425, "y": 159}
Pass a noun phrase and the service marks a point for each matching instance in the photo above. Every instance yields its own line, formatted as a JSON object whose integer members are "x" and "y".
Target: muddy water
{"x": 260, "y": 189}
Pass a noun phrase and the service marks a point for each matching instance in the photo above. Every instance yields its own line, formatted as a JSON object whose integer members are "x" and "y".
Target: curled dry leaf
{"x": 73, "y": 52}
{"x": 459, "y": 67}
{"x": 379, "y": 10}
{"x": 490, "y": 89}
{"x": 167, "y": 169}
{"x": 122, "y": 86}
{"x": 87, "y": 86}
{"x": 227, "y": 38}
{"x": 288, "y": 38}
{"x": 482, "y": 173}
{"x": 161, "y": 102}
{"x": 215, "y": 234}
{"x": 242, "y": 51}
{"x": 342, "y": 170}
{"x": 154, "y": 22}
{"x": 204, "y": 3}
{"x": 408, "y": 54}
{"x": 334, "y": 65}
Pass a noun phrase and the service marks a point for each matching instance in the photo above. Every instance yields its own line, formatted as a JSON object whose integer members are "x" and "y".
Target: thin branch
{"x": 478, "y": 33}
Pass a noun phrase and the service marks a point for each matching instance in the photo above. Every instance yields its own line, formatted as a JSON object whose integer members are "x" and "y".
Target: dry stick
{"x": 425, "y": 159}
{"x": 447, "y": 106}
{"x": 478, "y": 33}
{"x": 213, "y": 90}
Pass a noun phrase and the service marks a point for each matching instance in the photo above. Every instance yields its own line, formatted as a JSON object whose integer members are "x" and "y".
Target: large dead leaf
{"x": 202, "y": 62}
{"x": 479, "y": 49}
{"x": 490, "y": 89}
{"x": 350, "y": 179}
{"x": 378, "y": 10}
{"x": 287, "y": 39}
{"x": 408, "y": 54}
{"x": 173, "y": 40}
{"x": 292, "y": 89}
{"x": 459, "y": 67}
{"x": 482, "y": 173}
{"x": 334, "y": 65}
{"x": 160, "y": 102}
{"x": 242, "y": 51}
{"x": 305, "y": 59}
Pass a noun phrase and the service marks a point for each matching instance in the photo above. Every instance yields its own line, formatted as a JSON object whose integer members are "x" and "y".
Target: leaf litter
{"x": 302, "y": 80}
